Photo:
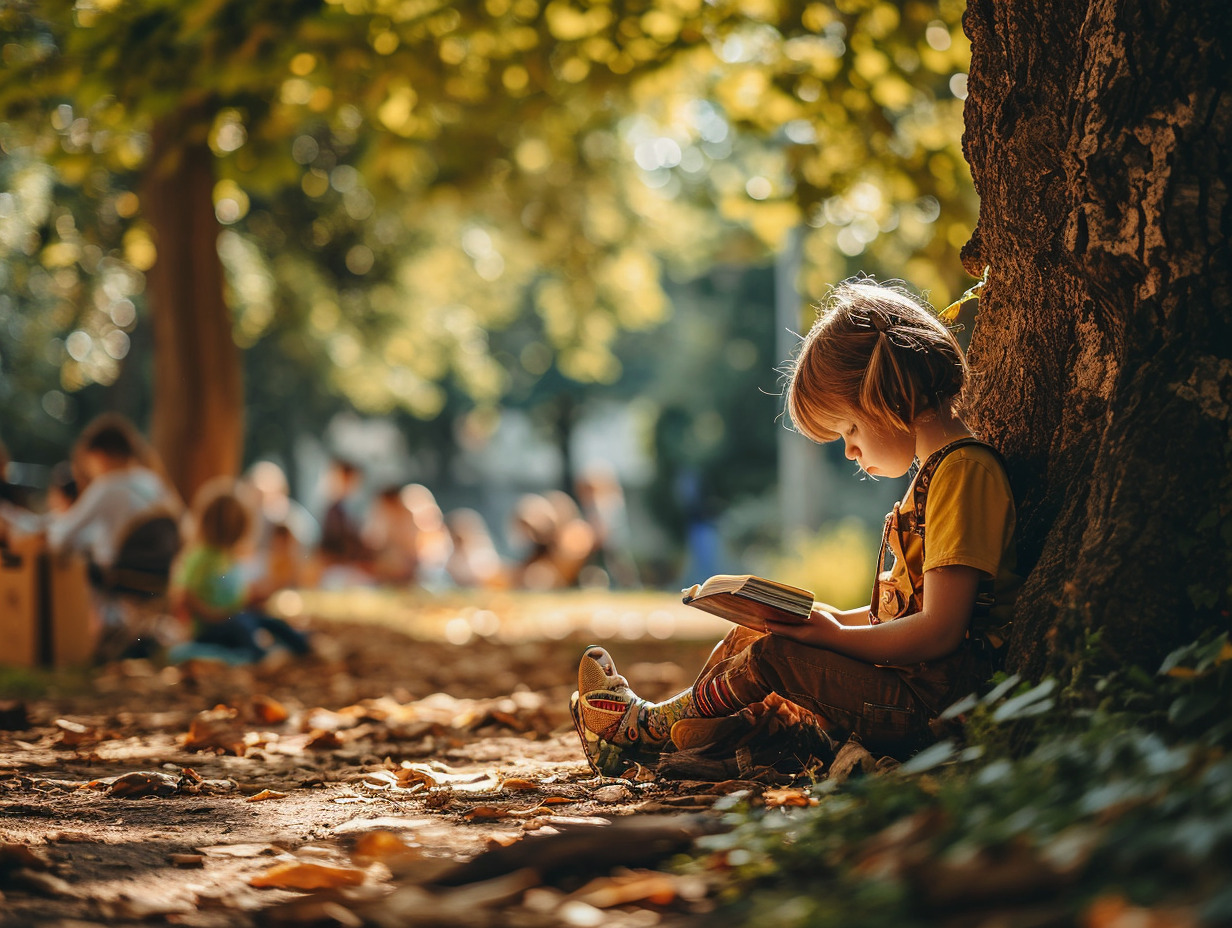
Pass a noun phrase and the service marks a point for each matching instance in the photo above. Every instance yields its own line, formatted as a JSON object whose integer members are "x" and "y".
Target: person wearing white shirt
{"x": 118, "y": 489}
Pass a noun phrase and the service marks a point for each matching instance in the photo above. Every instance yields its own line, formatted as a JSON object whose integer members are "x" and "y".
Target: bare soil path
{"x": 349, "y": 788}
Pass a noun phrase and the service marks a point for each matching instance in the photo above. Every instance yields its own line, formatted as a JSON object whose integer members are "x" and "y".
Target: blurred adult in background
{"x": 432, "y": 543}
{"x": 392, "y": 536}
{"x": 575, "y": 539}
{"x": 474, "y": 561}
{"x": 532, "y": 528}
{"x": 602, "y": 500}
{"x": 275, "y": 506}
{"x": 121, "y": 485}
{"x": 344, "y": 558}
{"x": 556, "y": 538}
{"x": 283, "y": 531}
{"x": 63, "y": 489}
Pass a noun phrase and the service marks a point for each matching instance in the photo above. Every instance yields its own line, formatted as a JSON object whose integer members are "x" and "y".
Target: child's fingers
{"x": 796, "y": 630}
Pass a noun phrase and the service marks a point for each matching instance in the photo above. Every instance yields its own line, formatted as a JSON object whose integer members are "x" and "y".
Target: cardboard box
{"x": 46, "y": 615}
{"x": 68, "y": 622}
{"x": 20, "y": 602}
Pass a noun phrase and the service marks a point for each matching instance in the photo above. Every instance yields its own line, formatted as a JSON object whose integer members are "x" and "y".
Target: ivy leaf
{"x": 1034, "y": 701}
{"x": 932, "y": 756}
{"x": 1191, "y": 707}
{"x": 995, "y": 694}
{"x": 966, "y": 704}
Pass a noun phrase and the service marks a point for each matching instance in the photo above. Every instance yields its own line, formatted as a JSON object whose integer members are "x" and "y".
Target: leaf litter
{"x": 396, "y": 781}
{"x": 184, "y": 792}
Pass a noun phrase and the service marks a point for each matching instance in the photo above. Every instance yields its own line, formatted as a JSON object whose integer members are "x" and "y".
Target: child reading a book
{"x": 880, "y": 372}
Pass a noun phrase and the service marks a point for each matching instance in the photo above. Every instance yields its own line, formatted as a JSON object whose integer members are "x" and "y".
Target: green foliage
{"x": 33, "y": 683}
{"x": 834, "y": 563}
{"x": 398, "y": 181}
{"x": 1130, "y": 799}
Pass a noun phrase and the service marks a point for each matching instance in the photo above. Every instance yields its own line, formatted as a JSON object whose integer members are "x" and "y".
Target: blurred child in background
{"x": 209, "y": 589}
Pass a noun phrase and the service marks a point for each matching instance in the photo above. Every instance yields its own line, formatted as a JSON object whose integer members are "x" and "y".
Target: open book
{"x": 749, "y": 600}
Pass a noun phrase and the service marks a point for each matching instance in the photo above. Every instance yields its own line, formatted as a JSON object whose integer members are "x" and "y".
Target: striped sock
{"x": 714, "y": 698}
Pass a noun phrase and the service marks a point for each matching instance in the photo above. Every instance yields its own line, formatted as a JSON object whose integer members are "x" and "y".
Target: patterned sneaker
{"x": 619, "y": 729}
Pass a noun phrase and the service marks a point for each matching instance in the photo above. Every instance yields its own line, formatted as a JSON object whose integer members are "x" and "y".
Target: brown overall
{"x": 888, "y": 707}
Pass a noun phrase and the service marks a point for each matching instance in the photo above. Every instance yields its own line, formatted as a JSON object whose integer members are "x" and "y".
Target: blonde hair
{"x": 877, "y": 350}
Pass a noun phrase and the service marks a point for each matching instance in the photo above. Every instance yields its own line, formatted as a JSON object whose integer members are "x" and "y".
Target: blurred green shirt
{"x": 213, "y": 577}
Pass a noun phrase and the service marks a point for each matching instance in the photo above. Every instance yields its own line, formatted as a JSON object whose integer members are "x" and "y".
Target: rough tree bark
{"x": 198, "y": 411}
{"x": 1098, "y": 137}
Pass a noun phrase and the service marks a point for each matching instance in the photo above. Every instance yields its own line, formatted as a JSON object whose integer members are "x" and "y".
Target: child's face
{"x": 879, "y": 452}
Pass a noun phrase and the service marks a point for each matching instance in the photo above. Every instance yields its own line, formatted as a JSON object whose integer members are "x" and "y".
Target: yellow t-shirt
{"x": 969, "y": 521}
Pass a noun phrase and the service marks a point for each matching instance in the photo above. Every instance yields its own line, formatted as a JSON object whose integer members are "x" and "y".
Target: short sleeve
{"x": 969, "y": 516}
{"x": 214, "y": 582}
{"x": 186, "y": 572}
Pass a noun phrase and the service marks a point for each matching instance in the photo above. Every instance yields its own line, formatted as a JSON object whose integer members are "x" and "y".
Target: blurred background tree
{"x": 426, "y": 209}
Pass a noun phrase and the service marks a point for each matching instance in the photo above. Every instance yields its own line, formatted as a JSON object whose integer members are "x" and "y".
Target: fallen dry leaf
{"x": 516, "y": 784}
{"x": 317, "y": 720}
{"x": 142, "y": 783}
{"x": 74, "y": 734}
{"x": 385, "y": 847}
{"x": 613, "y": 793}
{"x": 642, "y": 886}
{"x": 502, "y": 840}
{"x": 269, "y": 711}
{"x": 307, "y": 876}
{"x": 266, "y": 794}
{"x": 852, "y": 759}
{"x": 323, "y": 741}
{"x": 787, "y": 798}
{"x": 485, "y": 814}
{"x": 216, "y": 729}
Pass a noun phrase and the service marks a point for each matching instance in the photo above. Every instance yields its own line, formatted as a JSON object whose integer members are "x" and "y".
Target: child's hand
{"x": 818, "y": 630}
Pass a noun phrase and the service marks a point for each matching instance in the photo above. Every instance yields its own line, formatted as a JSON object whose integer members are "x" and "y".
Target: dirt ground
{"x": 354, "y": 787}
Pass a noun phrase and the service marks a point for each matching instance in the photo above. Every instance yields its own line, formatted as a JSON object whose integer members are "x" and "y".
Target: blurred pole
{"x": 802, "y": 474}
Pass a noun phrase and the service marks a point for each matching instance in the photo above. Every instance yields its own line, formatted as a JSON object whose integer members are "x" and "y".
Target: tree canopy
{"x": 396, "y": 180}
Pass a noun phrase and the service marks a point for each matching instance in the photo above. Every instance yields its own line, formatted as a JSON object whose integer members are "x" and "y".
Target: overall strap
{"x": 913, "y": 519}
{"x": 904, "y": 520}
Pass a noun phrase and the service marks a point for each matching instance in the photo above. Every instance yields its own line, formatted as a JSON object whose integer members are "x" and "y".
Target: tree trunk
{"x": 1098, "y": 137}
{"x": 198, "y": 411}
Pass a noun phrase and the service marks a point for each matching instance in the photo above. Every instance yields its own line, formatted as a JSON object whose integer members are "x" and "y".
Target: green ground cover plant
{"x": 1042, "y": 805}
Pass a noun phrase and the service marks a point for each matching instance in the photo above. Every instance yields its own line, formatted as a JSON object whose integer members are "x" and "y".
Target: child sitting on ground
{"x": 210, "y": 591}
{"x": 880, "y": 372}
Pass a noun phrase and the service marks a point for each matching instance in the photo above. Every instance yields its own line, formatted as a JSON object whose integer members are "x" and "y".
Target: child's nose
{"x": 849, "y": 450}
